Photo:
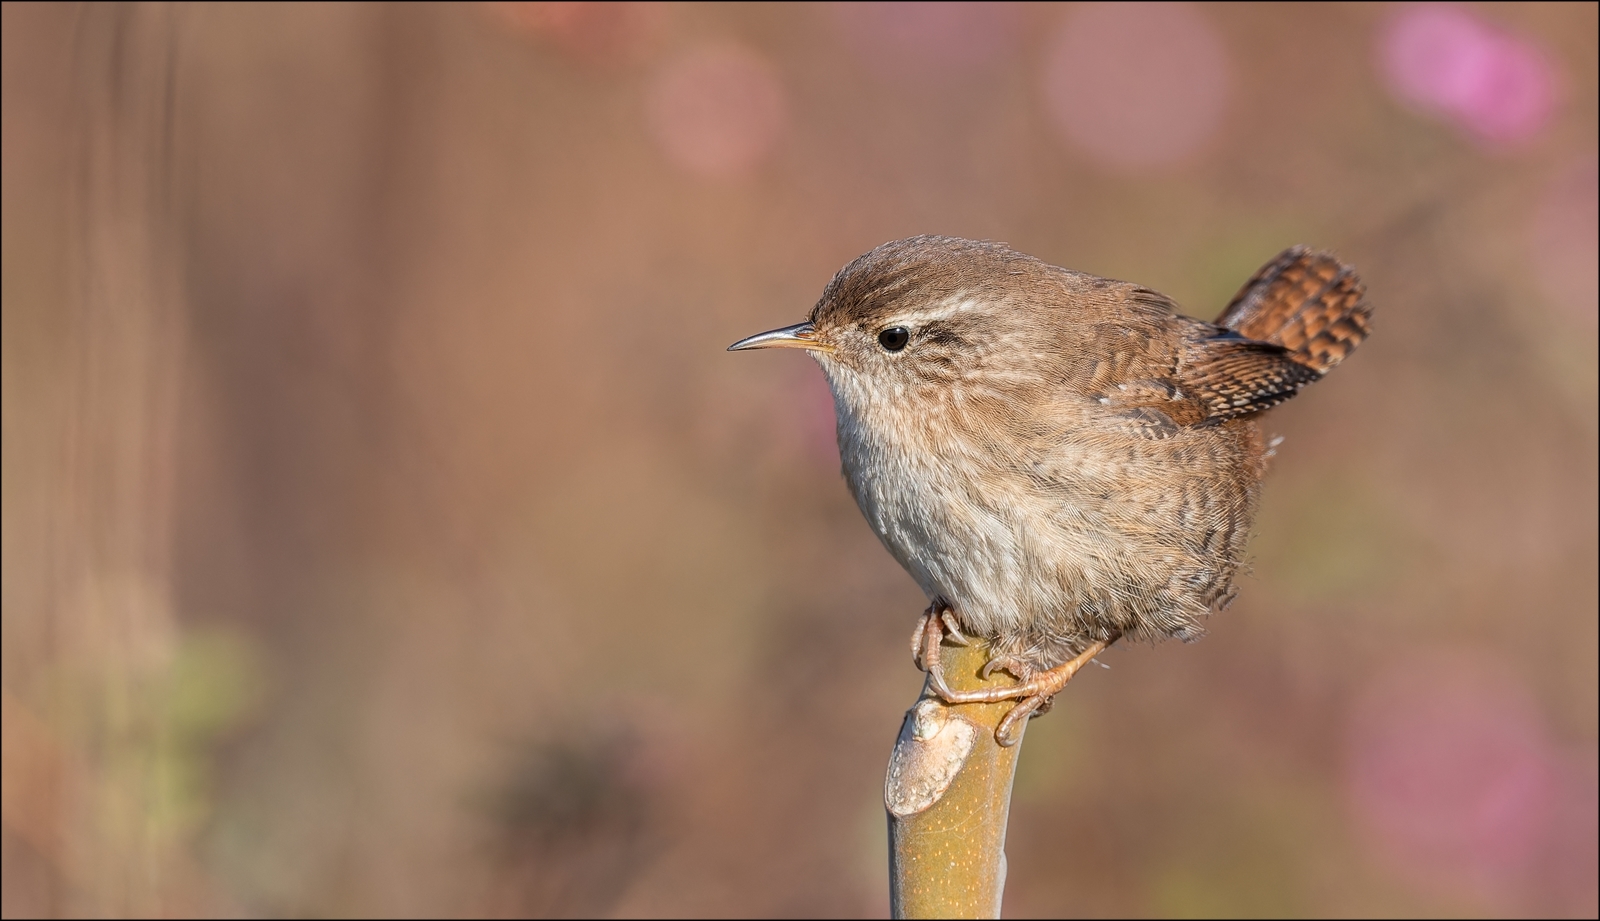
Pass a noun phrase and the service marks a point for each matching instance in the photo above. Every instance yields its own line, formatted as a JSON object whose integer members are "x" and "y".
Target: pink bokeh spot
{"x": 1137, "y": 85}
{"x": 1446, "y": 60}
{"x": 1451, "y": 771}
{"x": 717, "y": 112}
{"x": 926, "y": 41}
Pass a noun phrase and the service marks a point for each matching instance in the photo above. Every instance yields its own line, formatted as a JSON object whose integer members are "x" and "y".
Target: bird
{"x": 1060, "y": 460}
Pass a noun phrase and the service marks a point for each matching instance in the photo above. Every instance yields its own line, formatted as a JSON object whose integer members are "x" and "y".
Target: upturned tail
{"x": 1310, "y": 303}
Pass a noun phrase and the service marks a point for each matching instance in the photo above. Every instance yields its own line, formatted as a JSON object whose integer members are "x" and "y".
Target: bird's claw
{"x": 1009, "y": 732}
{"x": 1018, "y": 668}
{"x": 952, "y": 630}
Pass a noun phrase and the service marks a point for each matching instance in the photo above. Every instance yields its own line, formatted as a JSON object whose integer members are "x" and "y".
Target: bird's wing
{"x": 1196, "y": 374}
{"x": 1229, "y": 375}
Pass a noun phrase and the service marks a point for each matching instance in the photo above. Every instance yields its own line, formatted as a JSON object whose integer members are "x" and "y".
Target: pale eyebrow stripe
{"x": 949, "y": 307}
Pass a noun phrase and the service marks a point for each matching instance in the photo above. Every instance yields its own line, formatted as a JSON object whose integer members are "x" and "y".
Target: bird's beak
{"x": 798, "y": 336}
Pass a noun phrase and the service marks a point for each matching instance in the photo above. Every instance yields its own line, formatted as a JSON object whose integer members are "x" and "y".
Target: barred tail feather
{"x": 1308, "y": 302}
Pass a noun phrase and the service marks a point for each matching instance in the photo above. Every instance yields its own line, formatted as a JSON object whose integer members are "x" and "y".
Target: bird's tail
{"x": 1310, "y": 303}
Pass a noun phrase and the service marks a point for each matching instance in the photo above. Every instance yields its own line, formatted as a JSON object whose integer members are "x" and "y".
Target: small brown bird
{"x": 1061, "y": 460}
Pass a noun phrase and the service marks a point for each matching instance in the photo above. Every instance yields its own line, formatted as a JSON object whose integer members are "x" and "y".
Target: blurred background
{"x": 386, "y": 531}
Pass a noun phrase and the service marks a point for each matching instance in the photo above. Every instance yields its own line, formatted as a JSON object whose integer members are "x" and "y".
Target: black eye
{"x": 894, "y": 338}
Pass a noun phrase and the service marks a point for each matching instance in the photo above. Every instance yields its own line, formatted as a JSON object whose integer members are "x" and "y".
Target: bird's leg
{"x": 918, "y": 635}
{"x": 917, "y": 641}
{"x": 932, "y": 634}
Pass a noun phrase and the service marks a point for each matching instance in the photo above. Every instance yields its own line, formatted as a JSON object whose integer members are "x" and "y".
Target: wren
{"x": 1061, "y": 460}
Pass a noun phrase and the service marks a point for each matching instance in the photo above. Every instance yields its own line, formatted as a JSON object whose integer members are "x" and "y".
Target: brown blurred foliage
{"x": 386, "y": 532}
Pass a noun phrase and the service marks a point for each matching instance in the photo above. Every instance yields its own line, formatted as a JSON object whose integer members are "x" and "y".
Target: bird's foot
{"x": 940, "y": 613}
{"x": 1033, "y": 692}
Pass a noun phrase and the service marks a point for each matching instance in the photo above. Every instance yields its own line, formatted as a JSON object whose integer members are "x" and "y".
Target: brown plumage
{"x": 1058, "y": 459}
{"x": 1310, "y": 303}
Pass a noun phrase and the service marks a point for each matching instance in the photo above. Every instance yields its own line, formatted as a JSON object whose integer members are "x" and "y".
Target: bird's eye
{"x": 894, "y": 338}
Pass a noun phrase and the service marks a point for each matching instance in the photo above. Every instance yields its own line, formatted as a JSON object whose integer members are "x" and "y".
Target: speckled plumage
{"x": 1058, "y": 457}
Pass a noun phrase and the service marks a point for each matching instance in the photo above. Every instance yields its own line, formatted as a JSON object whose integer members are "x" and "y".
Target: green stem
{"x": 948, "y": 795}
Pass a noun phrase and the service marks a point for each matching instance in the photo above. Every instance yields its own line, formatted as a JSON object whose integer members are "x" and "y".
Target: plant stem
{"x": 948, "y": 796}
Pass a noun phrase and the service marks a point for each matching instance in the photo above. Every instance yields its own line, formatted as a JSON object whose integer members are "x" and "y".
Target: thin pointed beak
{"x": 798, "y": 336}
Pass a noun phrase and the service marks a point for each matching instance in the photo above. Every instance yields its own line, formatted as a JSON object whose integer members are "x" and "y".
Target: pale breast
{"x": 964, "y": 533}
